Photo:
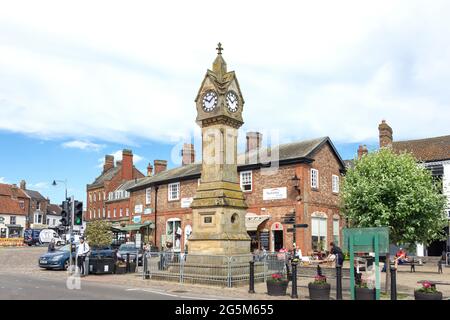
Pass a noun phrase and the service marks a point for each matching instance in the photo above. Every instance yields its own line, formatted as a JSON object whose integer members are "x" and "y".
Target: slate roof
{"x": 54, "y": 209}
{"x": 105, "y": 176}
{"x": 287, "y": 152}
{"x": 427, "y": 150}
{"x": 35, "y": 195}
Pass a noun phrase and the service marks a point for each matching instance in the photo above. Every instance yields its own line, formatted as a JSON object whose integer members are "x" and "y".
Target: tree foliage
{"x": 98, "y": 233}
{"x": 387, "y": 189}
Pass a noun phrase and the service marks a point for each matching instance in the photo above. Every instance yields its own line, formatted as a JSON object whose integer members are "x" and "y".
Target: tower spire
{"x": 219, "y": 65}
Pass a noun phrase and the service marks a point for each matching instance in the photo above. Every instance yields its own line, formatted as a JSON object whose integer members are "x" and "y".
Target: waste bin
{"x": 101, "y": 265}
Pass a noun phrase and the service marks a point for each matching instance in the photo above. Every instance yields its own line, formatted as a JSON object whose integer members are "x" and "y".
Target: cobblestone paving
{"x": 23, "y": 260}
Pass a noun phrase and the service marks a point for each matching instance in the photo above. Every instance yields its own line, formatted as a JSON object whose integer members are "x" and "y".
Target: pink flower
{"x": 426, "y": 285}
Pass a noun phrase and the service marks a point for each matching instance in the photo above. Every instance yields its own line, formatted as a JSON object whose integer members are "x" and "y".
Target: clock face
{"x": 232, "y": 101}
{"x": 209, "y": 101}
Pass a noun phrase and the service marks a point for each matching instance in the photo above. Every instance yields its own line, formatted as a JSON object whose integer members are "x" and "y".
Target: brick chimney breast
{"x": 160, "y": 165}
{"x": 149, "y": 169}
{"x": 254, "y": 142}
{"x": 127, "y": 164}
{"x": 385, "y": 134}
{"x": 188, "y": 154}
{"x": 362, "y": 150}
{"x": 109, "y": 162}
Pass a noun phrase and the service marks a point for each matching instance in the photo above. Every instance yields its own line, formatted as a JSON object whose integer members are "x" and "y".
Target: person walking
{"x": 82, "y": 251}
{"x": 338, "y": 253}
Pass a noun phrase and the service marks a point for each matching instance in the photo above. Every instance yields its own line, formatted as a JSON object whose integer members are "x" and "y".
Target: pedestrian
{"x": 338, "y": 253}
{"x": 82, "y": 251}
{"x": 51, "y": 245}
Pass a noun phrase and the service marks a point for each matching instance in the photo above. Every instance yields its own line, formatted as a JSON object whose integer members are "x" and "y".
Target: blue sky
{"x": 80, "y": 79}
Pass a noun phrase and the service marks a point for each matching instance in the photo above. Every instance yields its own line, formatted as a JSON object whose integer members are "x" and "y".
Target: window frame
{"x": 335, "y": 183}
{"x": 148, "y": 195}
{"x": 241, "y": 180}
{"x": 316, "y": 176}
{"x": 169, "y": 191}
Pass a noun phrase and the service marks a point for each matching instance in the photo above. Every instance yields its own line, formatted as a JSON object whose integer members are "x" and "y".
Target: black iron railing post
{"x": 252, "y": 277}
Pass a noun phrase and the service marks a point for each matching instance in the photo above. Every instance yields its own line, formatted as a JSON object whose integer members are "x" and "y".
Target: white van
{"x": 47, "y": 235}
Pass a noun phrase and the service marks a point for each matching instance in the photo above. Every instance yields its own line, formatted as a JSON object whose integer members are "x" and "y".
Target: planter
{"x": 427, "y": 296}
{"x": 319, "y": 291}
{"x": 365, "y": 294}
{"x": 277, "y": 288}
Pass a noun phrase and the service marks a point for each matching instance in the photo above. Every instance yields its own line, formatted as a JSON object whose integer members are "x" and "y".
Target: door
{"x": 278, "y": 240}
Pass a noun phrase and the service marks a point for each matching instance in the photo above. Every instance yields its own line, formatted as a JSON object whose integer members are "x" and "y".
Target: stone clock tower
{"x": 219, "y": 206}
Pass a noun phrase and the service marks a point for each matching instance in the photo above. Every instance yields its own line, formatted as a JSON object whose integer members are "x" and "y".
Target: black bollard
{"x": 393, "y": 284}
{"x": 128, "y": 263}
{"x": 252, "y": 278}
{"x": 146, "y": 273}
{"x": 294, "y": 294}
{"x": 338, "y": 282}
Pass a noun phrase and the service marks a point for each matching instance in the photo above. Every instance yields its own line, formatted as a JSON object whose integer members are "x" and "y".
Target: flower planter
{"x": 418, "y": 295}
{"x": 319, "y": 291}
{"x": 365, "y": 294}
{"x": 277, "y": 288}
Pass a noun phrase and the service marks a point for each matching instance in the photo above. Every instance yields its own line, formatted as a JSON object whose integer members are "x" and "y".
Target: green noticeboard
{"x": 366, "y": 240}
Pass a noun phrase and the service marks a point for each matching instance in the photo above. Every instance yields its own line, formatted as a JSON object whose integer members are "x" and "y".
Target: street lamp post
{"x": 63, "y": 181}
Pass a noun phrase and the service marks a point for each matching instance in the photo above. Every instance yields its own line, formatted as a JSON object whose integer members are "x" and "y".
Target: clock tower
{"x": 219, "y": 206}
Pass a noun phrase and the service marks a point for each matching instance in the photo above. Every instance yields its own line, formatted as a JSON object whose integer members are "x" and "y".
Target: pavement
{"x": 21, "y": 278}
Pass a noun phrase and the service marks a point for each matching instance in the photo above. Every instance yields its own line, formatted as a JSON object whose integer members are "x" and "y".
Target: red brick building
{"x": 14, "y": 208}
{"x": 306, "y": 184}
{"x": 107, "y": 197}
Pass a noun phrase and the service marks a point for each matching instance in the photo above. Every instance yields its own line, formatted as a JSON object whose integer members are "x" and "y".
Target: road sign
{"x": 290, "y": 229}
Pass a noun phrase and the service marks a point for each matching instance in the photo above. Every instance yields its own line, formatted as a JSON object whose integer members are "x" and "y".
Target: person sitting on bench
{"x": 401, "y": 256}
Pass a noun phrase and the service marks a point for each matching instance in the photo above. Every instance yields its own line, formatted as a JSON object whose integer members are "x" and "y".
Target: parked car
{"x": 58, "y": 259}
{"x": 31, "y": 236}
{"x": 131, "y": 249}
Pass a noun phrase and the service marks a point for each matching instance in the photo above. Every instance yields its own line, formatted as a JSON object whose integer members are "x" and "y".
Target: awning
{"x": 252, "y": 221}
{"x": 135, "y": 227}
{"x": 14, "y": 226}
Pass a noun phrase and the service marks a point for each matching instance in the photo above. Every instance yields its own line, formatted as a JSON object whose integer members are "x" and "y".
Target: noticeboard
{"x": 264, "y": 238}
{"x": 363, "y": 239}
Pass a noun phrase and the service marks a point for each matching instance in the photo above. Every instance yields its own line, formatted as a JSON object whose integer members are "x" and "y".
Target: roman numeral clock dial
{"x": 232, "y": 101}
{"x": 209, "y": 101}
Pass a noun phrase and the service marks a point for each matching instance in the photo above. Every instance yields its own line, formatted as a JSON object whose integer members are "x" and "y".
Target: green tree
{"x": 385, "y": 189}
{"x": 98, "y": 233}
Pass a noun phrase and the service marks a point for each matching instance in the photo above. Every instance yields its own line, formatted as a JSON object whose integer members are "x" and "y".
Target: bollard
{"x": 145, "y": 262}
{"x": 393, "y": 284}
{"x": 252, "y": 277}
{"x": 294, "y": 294}
{"x": 338, "y": 282}
{"x": 128, "y": 263}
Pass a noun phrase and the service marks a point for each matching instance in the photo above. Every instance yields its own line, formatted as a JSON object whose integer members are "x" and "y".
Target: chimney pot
{"x": 149, "y": 169}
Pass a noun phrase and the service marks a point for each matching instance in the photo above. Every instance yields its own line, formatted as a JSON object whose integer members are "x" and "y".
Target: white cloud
{"x": 305, "y": 68}
{"x": 118, "y": 157}
{"x": 3, "y": 180}
{"x": 83, "y": 145}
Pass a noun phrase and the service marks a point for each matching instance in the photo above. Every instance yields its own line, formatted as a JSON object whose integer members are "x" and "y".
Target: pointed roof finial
{"x": 219, "y": 48}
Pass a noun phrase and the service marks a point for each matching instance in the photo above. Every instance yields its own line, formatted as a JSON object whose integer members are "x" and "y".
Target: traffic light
{"x": 65, "y": 214}
{"x": 78, "y": 215}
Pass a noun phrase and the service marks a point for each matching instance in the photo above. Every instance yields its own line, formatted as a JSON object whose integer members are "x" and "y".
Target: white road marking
{"x": 178, "y": 296}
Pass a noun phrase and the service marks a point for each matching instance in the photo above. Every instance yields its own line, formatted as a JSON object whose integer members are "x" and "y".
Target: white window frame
{"x": 335, "y": 183}
{"x": 127, "y": 212}
{"x": 104, "y": 213}
{"x": 336, "y": 231}
{"x": 109, "y": 213}
{"x": 95, "y": 197}
{"x": 244, "y": 177}
{"x": 114, "y": 213}
{"x": 120, "y": 212}
{"x": 170, "y": 191}
{"x": 314, "y": 178}
{"x": 148, "y": 195}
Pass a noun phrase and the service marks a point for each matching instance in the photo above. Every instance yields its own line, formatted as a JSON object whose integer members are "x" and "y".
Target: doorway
{"x": 277, "y": 240}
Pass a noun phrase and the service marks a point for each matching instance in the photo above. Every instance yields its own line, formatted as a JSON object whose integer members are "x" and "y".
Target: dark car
{"x": 57, "y": 259}
{"x": 31, "y": 236}
{"x": 129, "y": 248}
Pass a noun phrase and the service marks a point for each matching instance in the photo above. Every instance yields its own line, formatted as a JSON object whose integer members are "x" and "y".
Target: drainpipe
{"x": 156, "y": 211}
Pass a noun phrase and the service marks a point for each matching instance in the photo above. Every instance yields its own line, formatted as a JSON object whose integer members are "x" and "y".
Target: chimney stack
{"x": 149, "y": 169}
{"x": 385, "y": 133}
{"x": 188, "y": 154}
{"x": 362, "y": 150}
{"x": 160, "y": 165}
{"x": 127, "y": 164}
{"x": 254, "y": 141}
{"x": 109, "y": 162}
{"x": 23, "y": 185}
